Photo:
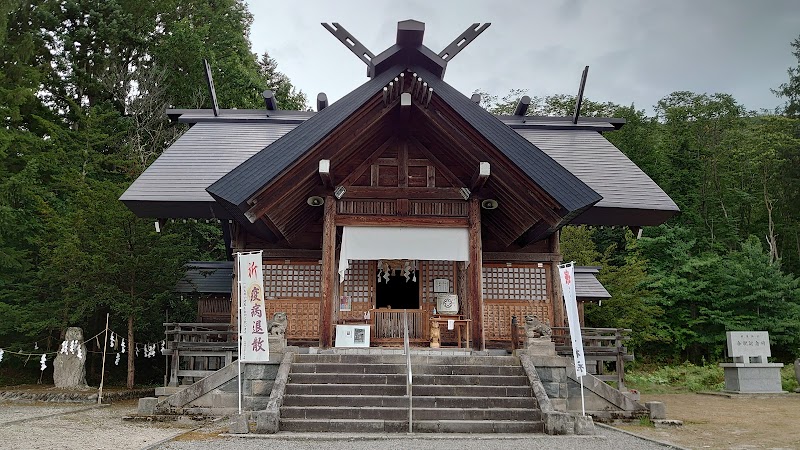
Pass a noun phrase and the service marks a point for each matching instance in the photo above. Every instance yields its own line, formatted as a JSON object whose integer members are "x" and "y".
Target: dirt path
{"x": 716, "y": 422}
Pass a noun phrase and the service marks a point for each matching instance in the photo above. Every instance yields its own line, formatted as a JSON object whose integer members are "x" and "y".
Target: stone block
{"x": 584, "y": 425}
{"x": 261, "y": 371}
{"x": 254, "y": 403}
{"x": 267, "y": 421}
{"x": 147, "y": 406}
{"x": 753, "y": 378}
{"x": 239, "y": 424}
{"x": 553, "y": 389}
{"x": 224, "y": 400}
{"x": 260, "y": 387}
{"x": 658, "y": 410}
{"x": 558, "y": 423}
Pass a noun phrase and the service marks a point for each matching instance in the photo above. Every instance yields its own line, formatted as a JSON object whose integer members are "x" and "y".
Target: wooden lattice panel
{"x": 515, "y": 282}
{"x": 284, "y": 279}
{"x": 359, "y": 285}
{"x": 497, "y": 316}
{"x": 302, "y": 315}
{"x": 430, "y": 270}
{"x": 438, "y": 208}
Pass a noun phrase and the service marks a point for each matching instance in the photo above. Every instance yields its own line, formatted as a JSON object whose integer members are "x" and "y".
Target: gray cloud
{"x": 639, "y": 52}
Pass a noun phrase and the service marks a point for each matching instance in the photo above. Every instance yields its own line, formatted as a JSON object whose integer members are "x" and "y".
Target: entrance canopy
{"x": 429, "y": 244}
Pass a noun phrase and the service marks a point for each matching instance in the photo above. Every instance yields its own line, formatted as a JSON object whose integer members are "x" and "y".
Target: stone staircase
{"x": 367, "y": 393}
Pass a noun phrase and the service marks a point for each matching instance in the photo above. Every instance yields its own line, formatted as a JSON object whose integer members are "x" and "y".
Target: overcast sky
{"x": 638, "y": 51}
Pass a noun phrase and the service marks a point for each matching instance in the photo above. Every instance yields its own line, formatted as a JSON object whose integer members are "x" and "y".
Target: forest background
{"x": 83, "y": 89}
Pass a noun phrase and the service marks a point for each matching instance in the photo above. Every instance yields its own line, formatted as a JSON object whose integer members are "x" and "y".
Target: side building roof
{"x": 207, "y": 277}
{"x": 587, "y": 286}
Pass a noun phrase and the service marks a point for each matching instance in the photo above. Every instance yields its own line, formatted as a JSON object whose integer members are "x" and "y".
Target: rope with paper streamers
{"x": 75, "y": 347}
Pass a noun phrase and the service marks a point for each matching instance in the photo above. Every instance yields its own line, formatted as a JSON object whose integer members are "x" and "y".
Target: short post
{"x": 514, "y": 333}
{"x": 620, "y": 361}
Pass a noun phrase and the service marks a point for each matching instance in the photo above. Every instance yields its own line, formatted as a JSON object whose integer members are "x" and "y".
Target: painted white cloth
{"x": 568, "y": 286}
{"x": 428, "y": 244}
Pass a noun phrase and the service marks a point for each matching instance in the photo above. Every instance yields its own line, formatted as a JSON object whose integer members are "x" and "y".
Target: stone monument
{"x": 750, "y": 372}
{"x": 69, "y": 368}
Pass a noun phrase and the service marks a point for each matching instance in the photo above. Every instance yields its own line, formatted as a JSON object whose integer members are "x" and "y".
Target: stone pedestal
{"x": 542, "y": 346}
{"x": 753, "y": 378}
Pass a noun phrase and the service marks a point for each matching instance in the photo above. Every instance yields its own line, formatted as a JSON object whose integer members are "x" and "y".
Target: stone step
{"x": 294, "y": 388}
{"x": 421, "y": 426}
{"x": 400, "y": 413}
{"x": 402, "y": 401}
{"x": 419, "y": 380}
{"x": 319, "y": 367}
{"x": 443, "y": 360}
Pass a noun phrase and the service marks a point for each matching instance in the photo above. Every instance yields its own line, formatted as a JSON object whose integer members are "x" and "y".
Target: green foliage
{"x": 791, "y": 89}
{"x": 685, "y": 377}
{"x": 789, "y": 378}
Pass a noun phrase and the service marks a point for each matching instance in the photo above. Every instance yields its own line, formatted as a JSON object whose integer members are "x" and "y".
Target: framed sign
{"x": 345, "y": 303}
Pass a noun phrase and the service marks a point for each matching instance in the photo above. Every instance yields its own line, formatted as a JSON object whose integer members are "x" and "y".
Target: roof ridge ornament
{"x": 408, "y": 48}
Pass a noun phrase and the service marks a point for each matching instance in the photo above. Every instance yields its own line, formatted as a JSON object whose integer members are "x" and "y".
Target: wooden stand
{"x": 460, "y": 324}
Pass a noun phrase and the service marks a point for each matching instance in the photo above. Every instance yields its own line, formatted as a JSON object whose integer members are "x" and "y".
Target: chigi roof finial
{"x": 408, "y": 48}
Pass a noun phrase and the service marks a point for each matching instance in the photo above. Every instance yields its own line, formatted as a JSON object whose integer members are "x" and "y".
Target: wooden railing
{"x": 387, "y": 326}
{"x": 600, "y": 346}
{"x": 198, "y": 349}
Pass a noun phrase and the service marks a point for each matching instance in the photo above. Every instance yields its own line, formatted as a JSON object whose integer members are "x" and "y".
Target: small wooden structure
{"x": 406, "y": 157}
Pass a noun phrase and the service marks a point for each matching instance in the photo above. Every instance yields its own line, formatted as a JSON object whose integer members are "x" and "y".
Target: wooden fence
{"x": 600, "y": 346}
{"x": 198, "y": 349}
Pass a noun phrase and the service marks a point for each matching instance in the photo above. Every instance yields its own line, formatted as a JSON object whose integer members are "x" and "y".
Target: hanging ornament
{"x": 73, "y": 346}
{"x": 136, "y": 348}
{"x": 80, "y": 353}
{"x": 163, "y": 347}
{"x": 1, "y": 354}
{"x": 36, "y": 346}
{"x": 122, "y": 345}
{"x": 43, "y": 362}
{"x": 116, "y": 360}
{"x": 64, "y": 345}
{"x": 112, "y": 341}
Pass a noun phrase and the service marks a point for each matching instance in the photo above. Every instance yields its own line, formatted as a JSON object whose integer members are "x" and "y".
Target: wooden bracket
{"x": 480, "y": 177}
{"x": 325, "y": 173}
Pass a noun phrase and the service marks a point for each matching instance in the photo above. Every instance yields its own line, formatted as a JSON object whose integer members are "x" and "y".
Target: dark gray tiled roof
{"x": 586, "y": 284}
{"x": 607, "y": 170}
{"x": 201, "y": 156}
{"x": 207, "y": 277}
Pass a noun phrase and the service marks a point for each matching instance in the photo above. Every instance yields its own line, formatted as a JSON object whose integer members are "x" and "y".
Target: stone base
{"x": 540, "y": 347}
{"x": 753, "y": 378}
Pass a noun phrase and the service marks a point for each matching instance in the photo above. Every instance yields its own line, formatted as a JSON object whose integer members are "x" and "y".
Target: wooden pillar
{"x": 556, "y": 297}
{"x": 475, "y": 274}
{"x": 328, "y": 273}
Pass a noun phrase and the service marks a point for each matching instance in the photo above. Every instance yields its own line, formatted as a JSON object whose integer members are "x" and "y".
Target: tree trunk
{"x": 131, "y": 352}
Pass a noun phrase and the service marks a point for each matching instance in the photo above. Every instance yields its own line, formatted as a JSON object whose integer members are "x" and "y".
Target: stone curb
{"x": 665, "y": 444}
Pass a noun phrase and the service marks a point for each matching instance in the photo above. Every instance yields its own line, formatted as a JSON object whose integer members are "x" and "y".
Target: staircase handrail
{"x": 409, "y": 383}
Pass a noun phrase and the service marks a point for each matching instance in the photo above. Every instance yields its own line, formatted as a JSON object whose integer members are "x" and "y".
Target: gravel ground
{"x": 29, "y": 426}
{"x": 58, "y": 426}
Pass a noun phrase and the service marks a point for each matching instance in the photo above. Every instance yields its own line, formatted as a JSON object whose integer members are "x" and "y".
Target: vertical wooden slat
{"x": 475, "y": 269}
{"x": 555, "y": 280}
{"x": 328, "y": 272}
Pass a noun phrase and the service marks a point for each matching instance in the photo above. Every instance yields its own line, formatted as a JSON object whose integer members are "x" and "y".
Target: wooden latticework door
{"x": 517, "y": 289}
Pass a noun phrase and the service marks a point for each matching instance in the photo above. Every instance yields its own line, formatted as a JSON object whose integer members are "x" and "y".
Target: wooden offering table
{"x": 460, "y": 325}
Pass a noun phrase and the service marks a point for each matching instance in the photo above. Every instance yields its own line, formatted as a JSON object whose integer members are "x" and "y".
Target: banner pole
{"x": 239, "y": 331}
{"x": 583, "y": 404}
{"x": 103, "y": 370}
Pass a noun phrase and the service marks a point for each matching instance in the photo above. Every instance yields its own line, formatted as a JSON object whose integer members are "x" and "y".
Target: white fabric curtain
{"x": 429, "y": 244}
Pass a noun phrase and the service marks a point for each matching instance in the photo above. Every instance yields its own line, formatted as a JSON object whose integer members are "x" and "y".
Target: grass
{"x": 688, "y": 377}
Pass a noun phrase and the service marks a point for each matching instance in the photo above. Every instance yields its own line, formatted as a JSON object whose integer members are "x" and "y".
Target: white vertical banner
{"x": 253, "y": 341}
{"x": 568, "y": 287}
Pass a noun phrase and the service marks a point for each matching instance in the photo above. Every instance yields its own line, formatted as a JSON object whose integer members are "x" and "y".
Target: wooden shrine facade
{"x": 406, "y": 153}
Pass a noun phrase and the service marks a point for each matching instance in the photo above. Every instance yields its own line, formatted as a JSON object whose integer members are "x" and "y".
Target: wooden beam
{"x": 328, "y": 273}
{"x": 377, "y": 192}
{"x": 325, "y": 173}
{"x": 356, "y": 174}
{"x": 520, "y": 257}
{"x": 435, "y": 161}
{"x": 401, "y": 221}
{"x": 480, "y": 177}
{"x": 292, "y": 253}
{"x": 475, "y": 274}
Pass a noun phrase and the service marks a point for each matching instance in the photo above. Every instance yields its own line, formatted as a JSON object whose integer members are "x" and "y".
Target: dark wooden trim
{"x": 401, "y": 221}
{"x": 377, "y": 192}
{"x": 355, "y": 174}
{"x": 520, "y": 257}
{"x": 475, "y": 274}
{"x": 559, "y": 312}
{"x": 292, "y": 253}
{"x": 325, "y": 175}
{"x": 436, "y": 163}
{"x": 479, "y": 179}
{"x": 328, "y": 273}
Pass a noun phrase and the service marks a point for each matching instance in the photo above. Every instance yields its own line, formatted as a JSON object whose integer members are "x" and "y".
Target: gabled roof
{"x": 253, "y": 175}
{"x": 587, "y": 286}
{"x": 207, "y": 277}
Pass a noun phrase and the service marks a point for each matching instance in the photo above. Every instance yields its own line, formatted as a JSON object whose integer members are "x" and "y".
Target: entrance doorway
{"x": 398, "y": 292}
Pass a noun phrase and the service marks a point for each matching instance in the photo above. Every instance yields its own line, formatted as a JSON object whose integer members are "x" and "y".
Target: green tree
{"x": 790, "y": 90}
